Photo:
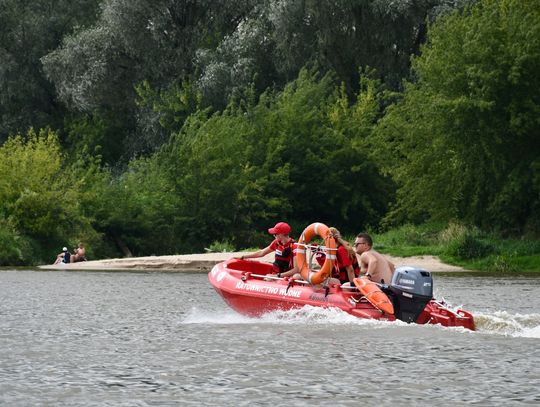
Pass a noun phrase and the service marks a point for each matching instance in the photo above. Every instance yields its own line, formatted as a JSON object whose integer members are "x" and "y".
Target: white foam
{"x": 531, "y": 332}
{"x": 307, "y": 315}
{"x": 504, "y": 323}
{"x": 496, "y": 323}
{"x": 226, "y": 317}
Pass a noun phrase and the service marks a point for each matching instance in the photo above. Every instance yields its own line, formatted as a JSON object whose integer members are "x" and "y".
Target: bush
{"x": 504, "y": 264}
{"x": 10, "y": 253}
{"x": 452, "y": 232}
{"x": 224, "y": 246}
{"x": 16, "y": 250}
{"x": 467, "y": 246}
{"x": 464, "y": 242}
{"x": 410, "y": 235}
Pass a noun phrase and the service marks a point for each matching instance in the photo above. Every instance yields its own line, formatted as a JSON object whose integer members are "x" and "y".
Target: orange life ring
{"x": 323, "y": 231}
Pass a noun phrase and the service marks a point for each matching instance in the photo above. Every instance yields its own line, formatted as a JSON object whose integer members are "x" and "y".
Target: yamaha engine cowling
{"x": 412, "y": 289}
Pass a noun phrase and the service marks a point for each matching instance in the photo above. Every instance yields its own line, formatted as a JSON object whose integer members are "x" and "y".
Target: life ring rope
{"x": 314, "y": 246}
{"x": 312, "y": 252}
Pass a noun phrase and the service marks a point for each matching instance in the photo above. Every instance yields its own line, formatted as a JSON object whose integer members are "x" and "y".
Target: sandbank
{"x": 205, "y": 261}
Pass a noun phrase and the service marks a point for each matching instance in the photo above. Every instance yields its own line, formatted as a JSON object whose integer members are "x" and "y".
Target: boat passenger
{"x": 347, "y": 267}
{"x": 376, "y": 267}
{"x": 283, "y": 245}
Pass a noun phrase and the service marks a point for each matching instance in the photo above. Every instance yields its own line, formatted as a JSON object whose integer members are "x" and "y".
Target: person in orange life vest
{"x": 347, "y": 267}
{"x": 376, "y": 266}
{"x": 283, "y": 246}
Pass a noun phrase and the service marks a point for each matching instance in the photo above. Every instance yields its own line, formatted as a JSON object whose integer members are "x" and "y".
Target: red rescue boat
{"x": 248, "y": 288}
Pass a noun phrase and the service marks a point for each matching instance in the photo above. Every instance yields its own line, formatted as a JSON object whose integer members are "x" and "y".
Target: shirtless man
{"x": 374, "y": 264}
{"x": 79, "y": 254}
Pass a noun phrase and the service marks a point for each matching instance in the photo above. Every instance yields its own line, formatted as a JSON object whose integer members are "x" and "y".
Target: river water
{"x": 167, "y": 339}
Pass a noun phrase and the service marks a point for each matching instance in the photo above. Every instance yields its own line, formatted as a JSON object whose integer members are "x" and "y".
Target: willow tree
{"x": 278, "y": 38}
{"x": 464, "y": 142}
{"x": 95, "y": 71}
{"x": 30, "y": 29}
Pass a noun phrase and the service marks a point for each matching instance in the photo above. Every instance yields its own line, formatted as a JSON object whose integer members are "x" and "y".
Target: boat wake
{"x": 504, "y": 323}
{"x": 498, "y": 323}
{"x": 307, "y": 315}
{"x": 226, "y": 317}
{"x": 310, "y": 315}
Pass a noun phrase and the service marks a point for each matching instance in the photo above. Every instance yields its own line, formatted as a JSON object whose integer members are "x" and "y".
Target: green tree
{"x": 463, "y": 141}
{"x": 39, "y": 200}
{"x": 312, "y": 130}
{"x": 164, "y": 111}
{"x": 278, "y": 38}
{"x": 31, "y": 29}
{"x": 297, "y": 155}
{"x": 224, "y": 49}
{"x": 96, "y": 70}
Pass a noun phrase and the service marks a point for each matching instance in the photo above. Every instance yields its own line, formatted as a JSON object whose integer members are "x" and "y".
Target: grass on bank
{"x": 463, "y": 246}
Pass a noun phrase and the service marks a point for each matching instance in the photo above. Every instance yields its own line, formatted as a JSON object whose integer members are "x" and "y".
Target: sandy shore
{"x": 204, "y": 262}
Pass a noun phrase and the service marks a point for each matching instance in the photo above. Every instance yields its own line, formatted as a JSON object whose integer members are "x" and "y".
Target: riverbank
{"x": 205, "y": 261}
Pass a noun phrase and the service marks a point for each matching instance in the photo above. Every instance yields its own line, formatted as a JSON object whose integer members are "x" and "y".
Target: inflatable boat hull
{"x": 246, "y": 287}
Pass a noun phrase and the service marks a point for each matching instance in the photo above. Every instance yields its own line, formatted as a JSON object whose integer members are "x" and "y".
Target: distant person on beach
{"x": 282, "y": 245}
{"x": 79, "y": 254}
{"x": 63, "y": 257}
{"x": 376, "y": 267}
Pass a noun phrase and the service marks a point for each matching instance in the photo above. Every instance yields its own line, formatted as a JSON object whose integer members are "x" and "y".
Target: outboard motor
{"x": 412, "y": 289}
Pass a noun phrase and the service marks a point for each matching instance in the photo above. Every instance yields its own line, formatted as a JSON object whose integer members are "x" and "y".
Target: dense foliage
{"x": 464, "y": 140}
{"x": 30, "y": 30}
{"x": 169, "y": 126}
{"x": 223, "y": 48}
{"x": 291, "y": 155}
{"x": 39, "y": 202}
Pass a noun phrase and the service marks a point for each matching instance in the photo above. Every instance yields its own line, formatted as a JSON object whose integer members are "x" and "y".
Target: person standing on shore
{"x": 376, "y": 267}
{"x": 282, "y": 245}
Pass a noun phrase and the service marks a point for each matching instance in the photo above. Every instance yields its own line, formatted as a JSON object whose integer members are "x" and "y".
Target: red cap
{"x": 280, "y": 228}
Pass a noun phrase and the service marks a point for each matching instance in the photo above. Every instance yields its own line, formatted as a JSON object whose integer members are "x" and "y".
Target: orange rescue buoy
{"x": 374, "y": 295}
{"x": 323, "y": 231}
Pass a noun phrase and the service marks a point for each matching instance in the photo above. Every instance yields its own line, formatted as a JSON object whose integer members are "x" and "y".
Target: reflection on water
{"x": 96, "y": 338}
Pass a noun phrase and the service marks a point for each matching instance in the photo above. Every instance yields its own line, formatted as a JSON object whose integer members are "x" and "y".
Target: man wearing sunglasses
{"x": 374, "y": 264}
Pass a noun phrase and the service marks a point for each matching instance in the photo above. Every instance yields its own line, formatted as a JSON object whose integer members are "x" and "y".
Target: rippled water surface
{"x": 160, "y": 339}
